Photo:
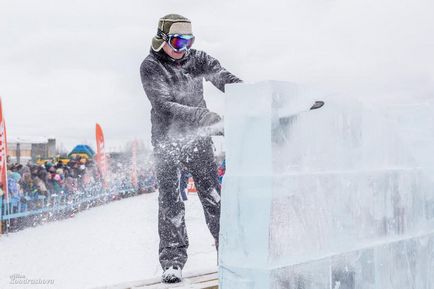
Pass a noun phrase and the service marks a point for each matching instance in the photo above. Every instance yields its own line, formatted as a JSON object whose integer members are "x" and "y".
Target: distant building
{"x": 22, "y": 150}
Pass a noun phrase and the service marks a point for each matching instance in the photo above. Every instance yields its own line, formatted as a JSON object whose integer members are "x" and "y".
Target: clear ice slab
{"x": 337, "y": 198}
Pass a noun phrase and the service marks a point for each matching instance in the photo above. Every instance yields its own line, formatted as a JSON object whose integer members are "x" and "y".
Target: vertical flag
{"x": 134, "y": 180}
{"x": 3, "y": 154}
{"x": 3, "y": 163}
{"x": 100, "y": 155}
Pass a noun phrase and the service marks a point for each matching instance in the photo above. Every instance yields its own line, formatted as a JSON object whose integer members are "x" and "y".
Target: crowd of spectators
{"x": 60, "y": 188}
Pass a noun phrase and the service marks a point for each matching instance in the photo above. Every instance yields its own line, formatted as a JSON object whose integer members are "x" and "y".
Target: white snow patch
{"x": 106, "y": 245}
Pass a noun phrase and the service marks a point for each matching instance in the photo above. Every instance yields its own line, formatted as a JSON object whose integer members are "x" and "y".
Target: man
{"x": 172, "y": 76}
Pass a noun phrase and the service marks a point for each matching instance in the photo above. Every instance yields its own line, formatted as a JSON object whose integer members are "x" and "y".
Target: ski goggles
{"x": 178, "y": 42}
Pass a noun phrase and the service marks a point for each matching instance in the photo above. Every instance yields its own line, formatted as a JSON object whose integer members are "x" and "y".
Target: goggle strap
{"x": 162, "y": 35}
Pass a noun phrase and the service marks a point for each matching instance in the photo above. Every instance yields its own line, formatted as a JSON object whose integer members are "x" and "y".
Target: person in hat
{"x": 172, "y": 76}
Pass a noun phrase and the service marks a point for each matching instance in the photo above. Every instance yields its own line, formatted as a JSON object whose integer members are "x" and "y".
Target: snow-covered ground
{"x": 111, "y": 244}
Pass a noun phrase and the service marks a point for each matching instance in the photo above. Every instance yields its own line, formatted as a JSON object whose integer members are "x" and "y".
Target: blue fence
{"x": 33, "y": 209}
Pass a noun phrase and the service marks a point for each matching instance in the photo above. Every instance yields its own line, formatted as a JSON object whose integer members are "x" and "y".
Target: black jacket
{"x": 175, "y": 90}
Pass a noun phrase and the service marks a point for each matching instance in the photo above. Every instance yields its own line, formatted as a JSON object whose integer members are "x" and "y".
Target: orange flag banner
{"x": 191, "y": 187}
{"x": 3, "y": 154}
{"x": 101, "y": 159}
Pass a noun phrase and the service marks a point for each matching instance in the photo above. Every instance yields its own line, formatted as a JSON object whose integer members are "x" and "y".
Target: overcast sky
{"x": 65, "y": 65}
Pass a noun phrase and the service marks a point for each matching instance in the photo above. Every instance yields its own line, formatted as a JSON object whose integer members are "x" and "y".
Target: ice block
{"x": 339, "y": 197}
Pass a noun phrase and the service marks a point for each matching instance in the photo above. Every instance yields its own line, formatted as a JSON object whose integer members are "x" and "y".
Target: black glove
{"x": 209, "y": 118}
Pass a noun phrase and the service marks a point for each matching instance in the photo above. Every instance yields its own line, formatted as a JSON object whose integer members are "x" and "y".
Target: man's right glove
{"x": 209, "y": 118}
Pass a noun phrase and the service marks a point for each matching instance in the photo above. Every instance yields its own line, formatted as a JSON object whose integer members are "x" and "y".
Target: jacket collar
{"x": 162, "y": 56}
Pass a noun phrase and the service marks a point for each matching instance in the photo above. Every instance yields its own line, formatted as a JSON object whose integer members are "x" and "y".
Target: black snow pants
{"x": 198, "y": 157}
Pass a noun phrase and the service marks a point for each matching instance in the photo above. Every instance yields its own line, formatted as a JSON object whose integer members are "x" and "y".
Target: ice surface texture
{"x": 341, "y": 197}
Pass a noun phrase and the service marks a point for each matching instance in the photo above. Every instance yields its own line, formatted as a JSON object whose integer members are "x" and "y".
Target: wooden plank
{"x": 200, "y": 280}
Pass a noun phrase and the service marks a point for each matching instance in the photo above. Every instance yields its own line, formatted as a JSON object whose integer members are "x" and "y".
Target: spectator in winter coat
{"x": 14, "y": 190}
{"x": 70, "y": 185}
{"x": 172, "y": 77}
{"x": 222, "y": 171}
{"x": 55, "y": 182}
{"x": 26, "y": 184}
{"x": 40, "y": 186}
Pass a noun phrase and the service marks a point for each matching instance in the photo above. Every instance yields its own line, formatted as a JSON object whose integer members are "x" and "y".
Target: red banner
{"x": 191, "y": 187}
{"x": 3, "y": 154}
{"x": 101, "y": 159}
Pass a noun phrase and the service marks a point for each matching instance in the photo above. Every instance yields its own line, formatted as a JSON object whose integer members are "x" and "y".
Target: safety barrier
{"x": 30, "y": 210}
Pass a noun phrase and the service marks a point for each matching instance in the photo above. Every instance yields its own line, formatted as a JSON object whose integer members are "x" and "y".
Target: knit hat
{"x": 171, "y": 24}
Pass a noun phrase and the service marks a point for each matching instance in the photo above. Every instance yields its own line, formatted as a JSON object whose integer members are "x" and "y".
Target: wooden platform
{"x": 200, "y": 280}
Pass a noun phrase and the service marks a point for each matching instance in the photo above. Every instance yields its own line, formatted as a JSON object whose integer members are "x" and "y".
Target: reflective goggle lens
{"x": 181, "y": 42}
